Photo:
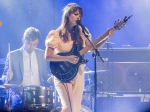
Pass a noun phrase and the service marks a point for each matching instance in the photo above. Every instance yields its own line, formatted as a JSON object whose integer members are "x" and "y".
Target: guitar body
{"x": 66, "y": 71}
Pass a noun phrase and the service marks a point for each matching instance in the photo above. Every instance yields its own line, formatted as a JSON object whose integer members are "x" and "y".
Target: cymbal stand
{"x": 8, "y": 81}
{"x": 7, "y": 105}
{"x": 89, "y": 80}
{"x": 89, "y": 92}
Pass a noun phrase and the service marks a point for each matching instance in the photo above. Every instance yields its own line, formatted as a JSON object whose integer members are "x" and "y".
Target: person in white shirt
{"x": 26, "y": 66}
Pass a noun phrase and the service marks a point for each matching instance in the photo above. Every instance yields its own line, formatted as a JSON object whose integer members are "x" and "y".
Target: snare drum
{"x": 83, "y": 109}
{"x": 37, "y": 96}
{"x": 2, "y": 97}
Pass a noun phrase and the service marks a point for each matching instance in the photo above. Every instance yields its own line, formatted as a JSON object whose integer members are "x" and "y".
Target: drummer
{"x": 26, "y": 66}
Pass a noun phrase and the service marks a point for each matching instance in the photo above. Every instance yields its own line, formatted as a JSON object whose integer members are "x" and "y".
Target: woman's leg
{"x": 66, "y": 95}
{"x": 78, "y": 88}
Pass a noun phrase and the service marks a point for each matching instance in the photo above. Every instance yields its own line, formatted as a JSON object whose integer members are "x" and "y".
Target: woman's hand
{"x": 73, "y": 59}
{"x": 111, "y": 32}
{"x": 9, "y": 74}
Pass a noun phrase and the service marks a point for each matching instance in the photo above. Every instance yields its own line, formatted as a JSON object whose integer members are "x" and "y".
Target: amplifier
{"x": 129, "y": 70}
{"x": 124, "y": 77}
{"x": 125, "y": 55}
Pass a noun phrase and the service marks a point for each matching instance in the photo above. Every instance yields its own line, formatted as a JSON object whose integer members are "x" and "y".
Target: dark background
{"x": 99, "y": 15}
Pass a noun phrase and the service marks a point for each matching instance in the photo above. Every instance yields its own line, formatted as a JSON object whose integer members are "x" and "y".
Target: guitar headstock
{"x": 120, "y": 23}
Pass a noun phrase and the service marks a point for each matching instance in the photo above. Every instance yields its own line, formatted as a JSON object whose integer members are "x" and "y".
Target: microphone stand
{"x": 94, "y": 54}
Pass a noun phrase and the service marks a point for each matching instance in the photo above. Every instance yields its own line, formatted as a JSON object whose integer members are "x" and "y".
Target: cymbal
{"x": 98, "y": 71}
{"x": 7, "y": 86}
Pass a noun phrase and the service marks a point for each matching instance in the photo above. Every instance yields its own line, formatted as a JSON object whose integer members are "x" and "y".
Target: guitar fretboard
{"x": 95, "y": 42}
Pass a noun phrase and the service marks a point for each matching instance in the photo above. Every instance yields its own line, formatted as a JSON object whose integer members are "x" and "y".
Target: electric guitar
{"x": 66, "y": 71}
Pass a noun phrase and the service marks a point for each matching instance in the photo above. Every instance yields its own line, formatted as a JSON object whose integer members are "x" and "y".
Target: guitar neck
{"x": 95, "y": 42}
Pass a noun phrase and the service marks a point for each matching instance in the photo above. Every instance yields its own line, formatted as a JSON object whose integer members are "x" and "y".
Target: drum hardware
{"x": 87, "y": 98}
{"x": 89, "y": 78}
{"x": 88, "y": 94}
{"x": 56, "y": 99}
{"x": 37, "y": 98}
{"x": 2, "y": 97}
{"x": 7, "y": 88}
{"x": 83, "y": 109}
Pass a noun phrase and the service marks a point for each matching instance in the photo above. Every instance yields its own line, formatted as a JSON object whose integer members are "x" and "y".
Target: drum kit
{"x": 34, "y": 98}
{"x": 4, "y": 96}
{"x": 42, "y": 99}
{"x": 38, "y": 97}
{"x": 88, "y": 94}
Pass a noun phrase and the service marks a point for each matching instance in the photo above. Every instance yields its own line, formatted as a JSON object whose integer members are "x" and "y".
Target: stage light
{"x": 1, "y": 23}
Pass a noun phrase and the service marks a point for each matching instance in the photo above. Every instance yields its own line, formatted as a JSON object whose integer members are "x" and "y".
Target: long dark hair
{"x": 76, "y": 37}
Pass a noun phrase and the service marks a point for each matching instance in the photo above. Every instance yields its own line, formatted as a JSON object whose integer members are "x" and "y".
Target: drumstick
{"x": 9, "y": 66}
{"x": 9, "y": 55}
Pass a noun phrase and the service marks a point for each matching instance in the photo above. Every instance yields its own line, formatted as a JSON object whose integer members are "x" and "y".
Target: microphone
{"x": 83, "y": 28}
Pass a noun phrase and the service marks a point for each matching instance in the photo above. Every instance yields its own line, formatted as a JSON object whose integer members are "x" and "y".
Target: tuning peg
{"x": 125, "y": 18}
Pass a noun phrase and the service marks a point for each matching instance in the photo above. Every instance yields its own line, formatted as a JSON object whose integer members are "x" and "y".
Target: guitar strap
{"x": 74, "y": 42}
